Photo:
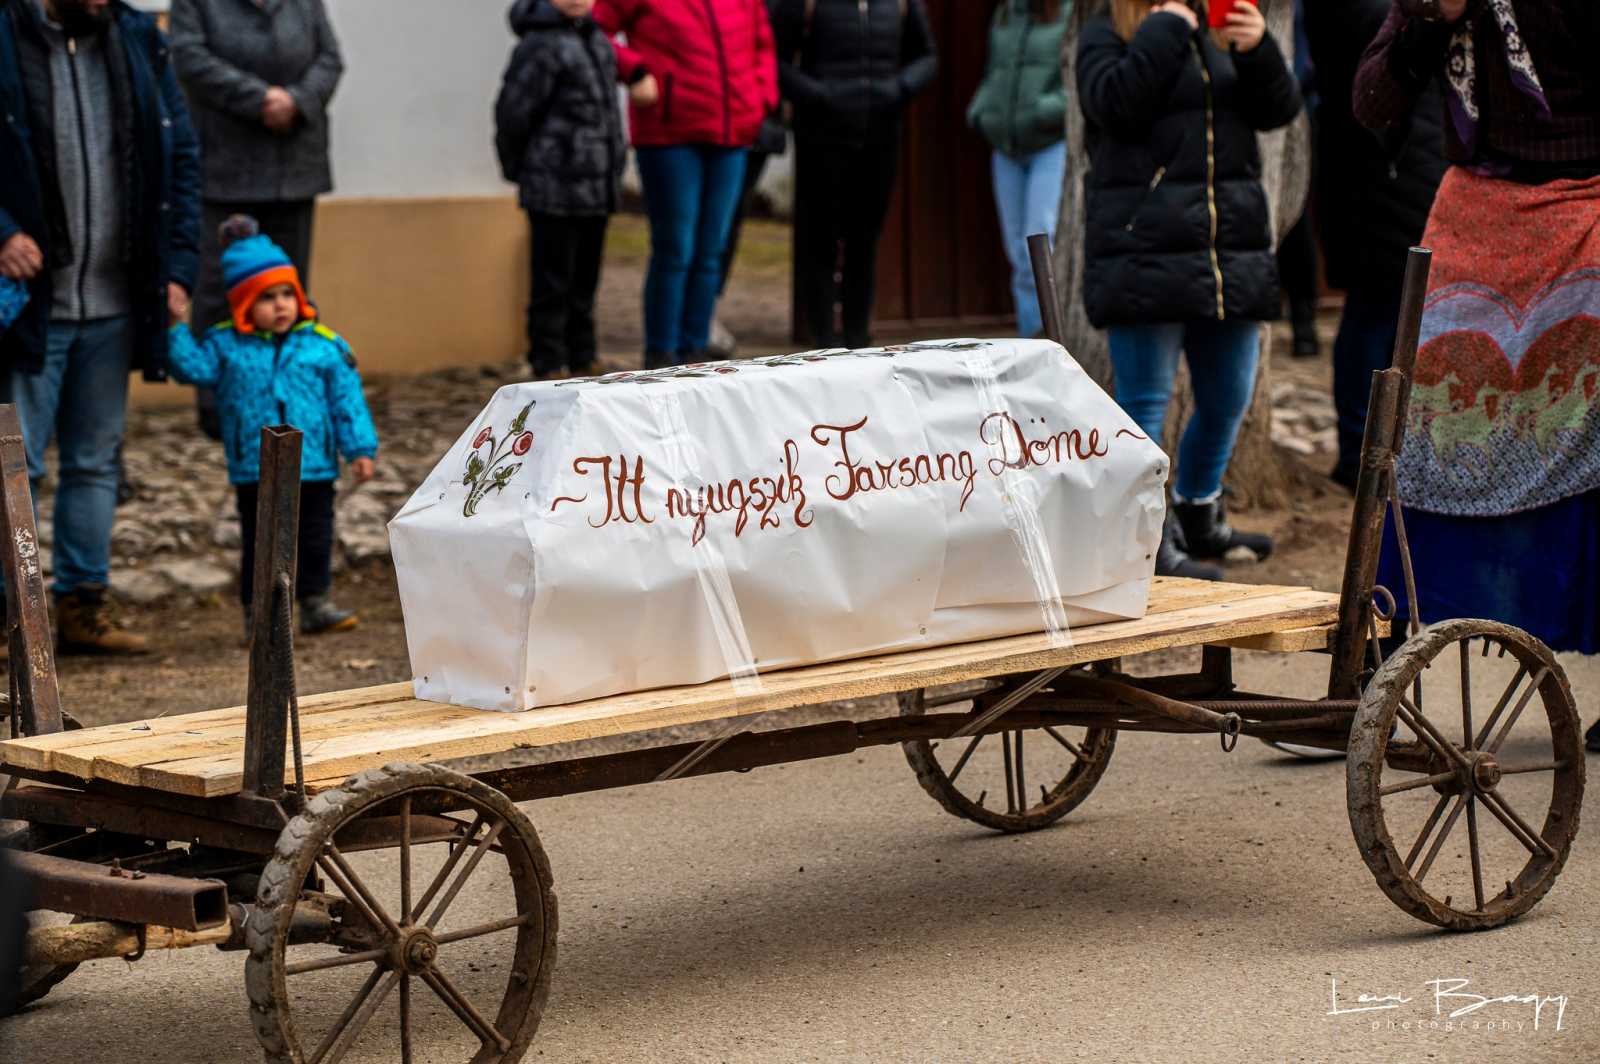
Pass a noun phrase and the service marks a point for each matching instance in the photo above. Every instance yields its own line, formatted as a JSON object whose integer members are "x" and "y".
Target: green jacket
{"x": 1021, "y": 107}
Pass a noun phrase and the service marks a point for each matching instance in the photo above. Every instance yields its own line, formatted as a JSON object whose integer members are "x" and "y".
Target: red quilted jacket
{"x": 713, "y": 59}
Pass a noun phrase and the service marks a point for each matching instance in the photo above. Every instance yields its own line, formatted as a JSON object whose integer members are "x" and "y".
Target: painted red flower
{"x": 483, "y": 438}
{"x": 524, "y": 442}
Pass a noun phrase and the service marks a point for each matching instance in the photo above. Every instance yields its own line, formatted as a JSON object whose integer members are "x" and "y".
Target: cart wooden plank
{"x": 344, "y": 732}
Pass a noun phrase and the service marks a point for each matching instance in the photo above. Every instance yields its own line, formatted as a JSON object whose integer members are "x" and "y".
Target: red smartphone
{"x": 1220, "y": 10}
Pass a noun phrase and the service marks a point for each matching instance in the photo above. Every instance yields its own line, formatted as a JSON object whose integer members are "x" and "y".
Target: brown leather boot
{"x": 86, "y": 624}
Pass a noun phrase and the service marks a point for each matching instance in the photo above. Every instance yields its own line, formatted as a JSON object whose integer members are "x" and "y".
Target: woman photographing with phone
{"x": 1179, "y": 248}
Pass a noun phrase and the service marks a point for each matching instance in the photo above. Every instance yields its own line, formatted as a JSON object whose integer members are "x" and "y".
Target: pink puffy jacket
{"x": 713, "y": 60}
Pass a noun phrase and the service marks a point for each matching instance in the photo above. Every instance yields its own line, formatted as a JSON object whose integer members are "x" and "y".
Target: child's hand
{"x": 363, "y": 469}
{"x": 179, "y": 307}
{"x": 645, "y": 92}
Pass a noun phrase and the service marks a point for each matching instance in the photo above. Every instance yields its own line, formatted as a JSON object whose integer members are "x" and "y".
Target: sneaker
{"x": 86, "y": 623}
{"x": 319, "y": 615}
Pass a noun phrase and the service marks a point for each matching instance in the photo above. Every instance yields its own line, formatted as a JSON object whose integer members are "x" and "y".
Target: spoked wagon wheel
{"x": 1442, "y": 731}
{"x": 395, "y": 935}
{"x": 964, "y": 775}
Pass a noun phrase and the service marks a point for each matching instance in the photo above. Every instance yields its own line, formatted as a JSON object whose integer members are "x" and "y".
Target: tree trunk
{"x": 1260, "y": 474}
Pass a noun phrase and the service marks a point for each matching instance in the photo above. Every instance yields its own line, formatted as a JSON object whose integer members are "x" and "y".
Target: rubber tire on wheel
{"x": 1371, "y": 734}
{"x": 1064, "y": 797}
{"x": 299, "y": 845}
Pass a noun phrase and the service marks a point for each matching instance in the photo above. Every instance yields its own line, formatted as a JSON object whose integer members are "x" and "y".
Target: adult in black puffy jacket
{"x": 1179, "y": 253}
{"x": 848, "y": 68}
{"x": 1373, "y": 197}
{"x": 558, "y": 132}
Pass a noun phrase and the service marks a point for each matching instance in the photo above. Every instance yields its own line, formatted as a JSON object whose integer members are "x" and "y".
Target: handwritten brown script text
{"x": 766, "y": 496}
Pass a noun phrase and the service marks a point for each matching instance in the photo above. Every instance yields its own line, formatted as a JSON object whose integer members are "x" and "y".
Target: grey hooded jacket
{"x": 227, "y": 54}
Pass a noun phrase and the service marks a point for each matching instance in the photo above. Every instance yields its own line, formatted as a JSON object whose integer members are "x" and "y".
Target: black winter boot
{"x": 1171, "y": 560}
{"x": 1303, "y": 317}
{"x": 1207, "y": 534}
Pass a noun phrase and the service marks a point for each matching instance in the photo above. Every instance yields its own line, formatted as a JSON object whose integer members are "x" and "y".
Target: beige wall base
{"x": 414, "y": 284}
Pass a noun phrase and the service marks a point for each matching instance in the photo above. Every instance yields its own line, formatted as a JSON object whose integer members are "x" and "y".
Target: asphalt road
{"x": 1198, "y": 907}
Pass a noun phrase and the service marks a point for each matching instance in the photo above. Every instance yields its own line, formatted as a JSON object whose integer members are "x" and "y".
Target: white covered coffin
{"x": 641, "y": 530}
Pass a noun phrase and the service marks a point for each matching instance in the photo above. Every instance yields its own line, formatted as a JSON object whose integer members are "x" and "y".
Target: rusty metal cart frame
{"x": 86, "y": 843}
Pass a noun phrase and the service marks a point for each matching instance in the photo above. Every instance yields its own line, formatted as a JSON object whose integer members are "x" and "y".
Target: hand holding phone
{"x": 1243, "y": 27}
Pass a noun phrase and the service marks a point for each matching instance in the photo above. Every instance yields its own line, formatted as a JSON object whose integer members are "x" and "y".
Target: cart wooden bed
{"x": 140, "y": 830}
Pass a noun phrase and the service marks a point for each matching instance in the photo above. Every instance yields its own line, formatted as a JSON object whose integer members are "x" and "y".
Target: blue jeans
{"x": 1365, "y": 344}
{"x": 1222, "y": 371}
{"x": 1027, "y": 194}
{"x": 80, "y": 400}
{"x": 691, "y": 192}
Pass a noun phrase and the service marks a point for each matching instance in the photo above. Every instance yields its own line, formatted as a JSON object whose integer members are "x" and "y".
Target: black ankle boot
{"x": 657, "y": 360}
{"x": 1207, "y": 534}
{"x": 1592, "y": 739}
{"x": 1303, "y": 315}
{"x": 1171, "y": 559}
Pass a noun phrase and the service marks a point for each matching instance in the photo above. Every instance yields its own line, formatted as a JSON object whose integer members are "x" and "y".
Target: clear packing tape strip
{"x": 1019, "y": 498}
{"x": 685, "y": 472}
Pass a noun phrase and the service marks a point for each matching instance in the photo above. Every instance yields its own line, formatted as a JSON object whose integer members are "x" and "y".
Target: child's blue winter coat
{"x": 307, "y": 379}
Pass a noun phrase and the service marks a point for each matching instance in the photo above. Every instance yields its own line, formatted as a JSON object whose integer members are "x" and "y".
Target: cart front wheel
{"x": 1465, "y": 775}
{"x": 970, "y": 778}
{"x": 388, "y": 932}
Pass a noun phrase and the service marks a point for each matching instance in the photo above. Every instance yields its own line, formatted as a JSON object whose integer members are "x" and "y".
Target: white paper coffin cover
{"x": 643, "y": 530}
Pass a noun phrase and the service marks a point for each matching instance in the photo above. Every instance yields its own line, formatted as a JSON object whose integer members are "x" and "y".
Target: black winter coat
{"x": 558, "y": 129}
{"x": 1177, "y": 224}
{"x": 161, "y": 160}
{"x": 851, "y": 72}
{"x": 1374, "y": 191}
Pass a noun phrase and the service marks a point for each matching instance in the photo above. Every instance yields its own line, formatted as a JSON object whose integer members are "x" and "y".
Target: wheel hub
{"x": 414, "y": 951}
{"x": 1485, "y": 772}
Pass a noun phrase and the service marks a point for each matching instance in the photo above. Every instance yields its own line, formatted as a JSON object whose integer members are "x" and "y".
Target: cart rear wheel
{"x": 393, "y": 926}
{"x": 1442, "y": 731}
{"x": 1064, "y": 763}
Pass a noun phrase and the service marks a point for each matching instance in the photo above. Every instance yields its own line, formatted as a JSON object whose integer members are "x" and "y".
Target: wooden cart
{"x": 328, "y": 836}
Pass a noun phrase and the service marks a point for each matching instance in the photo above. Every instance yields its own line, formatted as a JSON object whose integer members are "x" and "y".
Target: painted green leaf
{"x": 522, "y": 418}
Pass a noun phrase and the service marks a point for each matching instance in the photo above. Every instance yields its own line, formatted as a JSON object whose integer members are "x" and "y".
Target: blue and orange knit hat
{"x": 251, "y": 264}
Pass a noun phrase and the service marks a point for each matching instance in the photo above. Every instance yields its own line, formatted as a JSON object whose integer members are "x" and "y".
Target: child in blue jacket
{"x": 273, "y": 363}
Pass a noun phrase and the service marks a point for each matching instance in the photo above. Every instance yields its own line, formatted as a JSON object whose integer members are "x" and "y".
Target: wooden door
{"x": 941, "y": 262}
